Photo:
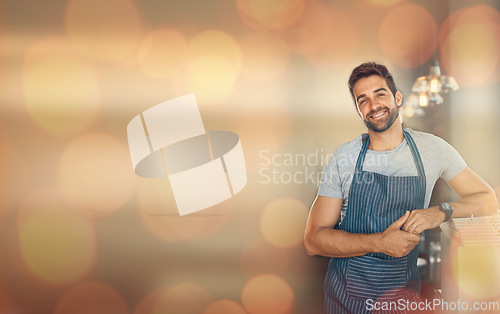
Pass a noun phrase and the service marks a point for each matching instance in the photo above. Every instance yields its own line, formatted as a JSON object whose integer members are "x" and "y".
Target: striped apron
{"x": 353, "y": 284}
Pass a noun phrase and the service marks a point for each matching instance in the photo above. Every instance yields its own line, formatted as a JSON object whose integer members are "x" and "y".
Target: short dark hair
{"x": 368, "y": 69}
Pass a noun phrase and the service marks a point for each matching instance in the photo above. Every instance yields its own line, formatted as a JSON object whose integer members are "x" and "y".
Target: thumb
{"x": 401, "y": 221}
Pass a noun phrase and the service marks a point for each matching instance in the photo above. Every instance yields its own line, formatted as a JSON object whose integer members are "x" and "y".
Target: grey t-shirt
{"x": 439, "y": 158}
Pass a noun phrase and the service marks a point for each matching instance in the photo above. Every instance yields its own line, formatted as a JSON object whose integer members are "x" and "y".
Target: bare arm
{"x": 321, "y": 239}
{"x": 476, "y": 198}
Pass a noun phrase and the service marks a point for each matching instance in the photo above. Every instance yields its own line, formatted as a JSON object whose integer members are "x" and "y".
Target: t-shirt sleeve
{"x": 450, "y": 161}
{"x": 330, "y": 180}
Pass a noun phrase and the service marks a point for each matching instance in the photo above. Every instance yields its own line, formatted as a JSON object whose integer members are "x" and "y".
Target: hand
{"x": 424, "y": 219}
{"x": 398, "y": 243}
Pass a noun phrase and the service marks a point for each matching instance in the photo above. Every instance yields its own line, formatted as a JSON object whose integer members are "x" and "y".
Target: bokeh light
{"x": 7, "y": 304}
{"x": 61, "y": 92}
{"x": 259, "y": 257}
{"x": 163, "y": 53}
{"x": 214, "y": 63}
{"x": 267, "y": 293}
{"x": 104, "y": 31}
{"x": 408, "y": 35}
{"x": 91, "y": 297}
{"x": 48, "y": 48}
{"x": 58, "y": 245}
{"x": 265, "y": 56}
{"x": 475, "y": 267}
{"x": 183, "y": 298}
{"x": 224, "y": 306}
{"x": 95, "y": 174}
{"x": 267, "y": 132}
{"x": 326, "y": 36}
{"x": 269, "y": 14}
{"x": 383, "y": 2}
{"x": 283, "y": 221}
{"x": 340, "y": 44}
{"x": 14, "y": 179}
{"x": 311, "y": 31}
{"x": 479, "y": 269}
{"x": 211, "y": 78}
{"x": 469, "y": 45}
{"x": 159, "y": 213}
{"x": 215, "y": 43}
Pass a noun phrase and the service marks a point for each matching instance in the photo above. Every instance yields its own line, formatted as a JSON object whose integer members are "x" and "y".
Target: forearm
{"x": 337, "y": 243}
{"x": 477, "y": 204}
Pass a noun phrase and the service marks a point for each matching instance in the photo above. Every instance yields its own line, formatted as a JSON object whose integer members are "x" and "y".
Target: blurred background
{"x": 81, "y": 233}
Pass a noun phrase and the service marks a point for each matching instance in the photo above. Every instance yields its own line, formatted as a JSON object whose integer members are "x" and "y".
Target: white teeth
{"x": 378, "y": 114}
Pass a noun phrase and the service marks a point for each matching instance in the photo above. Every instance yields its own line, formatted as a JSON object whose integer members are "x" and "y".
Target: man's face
{"x": 376, "y": 103}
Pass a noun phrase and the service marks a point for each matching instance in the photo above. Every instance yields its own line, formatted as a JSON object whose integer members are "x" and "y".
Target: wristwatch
{"x": 447, "y": 209}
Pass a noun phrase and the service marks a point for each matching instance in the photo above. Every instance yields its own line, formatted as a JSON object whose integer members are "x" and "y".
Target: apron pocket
{"x": 369, "y": 277}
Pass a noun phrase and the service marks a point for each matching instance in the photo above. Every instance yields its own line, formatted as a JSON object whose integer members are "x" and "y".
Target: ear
{"x": 399, "y": 98}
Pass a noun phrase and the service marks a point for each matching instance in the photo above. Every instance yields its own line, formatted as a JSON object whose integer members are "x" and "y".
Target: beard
{"x": 383, "y": 124}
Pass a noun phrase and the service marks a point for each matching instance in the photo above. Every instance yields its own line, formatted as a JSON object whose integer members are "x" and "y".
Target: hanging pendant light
{"x": 427, "y": 90}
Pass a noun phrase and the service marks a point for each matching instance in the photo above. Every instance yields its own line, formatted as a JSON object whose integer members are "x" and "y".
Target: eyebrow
{"x": 375, "y": 91}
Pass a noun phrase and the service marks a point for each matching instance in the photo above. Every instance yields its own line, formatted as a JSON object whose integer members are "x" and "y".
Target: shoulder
{"x": 346, "y": 154}
{"x": 350, "y": 147}
{"x": 426, "y": 140}
{"x": 422, "y": 136}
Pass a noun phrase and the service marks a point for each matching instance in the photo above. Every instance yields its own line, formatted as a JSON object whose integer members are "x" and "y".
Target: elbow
{"x": 494, "y": 203}
{"x": 309, "y": 245}
{"x": 491, "y": 203}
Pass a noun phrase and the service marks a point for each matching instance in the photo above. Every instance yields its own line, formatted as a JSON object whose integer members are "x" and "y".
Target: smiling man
{"x": 373, "y": 201}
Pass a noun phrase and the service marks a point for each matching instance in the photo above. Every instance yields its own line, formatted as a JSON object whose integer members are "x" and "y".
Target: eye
{"x": 362, "y": 101}
{"x": 381, "y": 94}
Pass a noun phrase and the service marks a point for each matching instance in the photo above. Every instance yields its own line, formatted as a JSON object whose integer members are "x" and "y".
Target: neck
{"x": 387, "y": 140}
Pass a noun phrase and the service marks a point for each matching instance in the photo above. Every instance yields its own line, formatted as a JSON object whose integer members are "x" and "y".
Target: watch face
{"x": 448, "y": 209}
{"x": 446, "y": 206}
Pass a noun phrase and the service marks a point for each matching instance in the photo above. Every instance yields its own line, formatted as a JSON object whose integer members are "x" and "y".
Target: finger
{"x": 414, "y": 238}
{"x": 417, "y": 230}
{"x": 412, "y": 229}
{"x": 400, "y": 222}
{"x": 409, "y": 224}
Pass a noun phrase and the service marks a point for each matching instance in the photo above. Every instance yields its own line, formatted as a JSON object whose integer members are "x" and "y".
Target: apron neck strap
{"x": 413, "y": 149}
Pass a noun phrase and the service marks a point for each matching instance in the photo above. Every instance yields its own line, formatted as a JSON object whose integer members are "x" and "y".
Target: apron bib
{"x": 375, "y": 202}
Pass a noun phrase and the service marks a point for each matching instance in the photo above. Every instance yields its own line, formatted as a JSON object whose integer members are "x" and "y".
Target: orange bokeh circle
{"x": 58, "y": 245}
{"x": 104, "y": 31}
{"x": 407, "y": 35}
{"x": 213, "y": 66}
{"x": 269, "y": 14}
{"x": 224, "y": 306}
{"x": 163, "y": 53}
{"x": 61, "y": 91}
{"x": 469, "y": 45}
{"x": 91, "y": 297}
{"x": 267, "y": 293}
{"x": 265, "y": 56}
{"x": 259, "y": 257}
{"x": 95, "y": 174}
{"x": 283, "y": 221}
{"x": 180, "y": 298}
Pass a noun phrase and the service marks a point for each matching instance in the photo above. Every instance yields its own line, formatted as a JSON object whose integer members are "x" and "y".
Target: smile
{"x": 378, "y": 115}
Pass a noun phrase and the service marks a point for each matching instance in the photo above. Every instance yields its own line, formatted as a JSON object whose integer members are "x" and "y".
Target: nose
{"x": 374, "y": 104}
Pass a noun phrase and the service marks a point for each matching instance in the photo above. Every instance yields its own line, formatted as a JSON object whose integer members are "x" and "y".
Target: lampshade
{"x": 435, "y": 82}
{"x": 427, "y": 91}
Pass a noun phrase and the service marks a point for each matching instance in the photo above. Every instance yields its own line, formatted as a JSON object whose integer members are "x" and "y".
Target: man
{"x": 373, "y": 200}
